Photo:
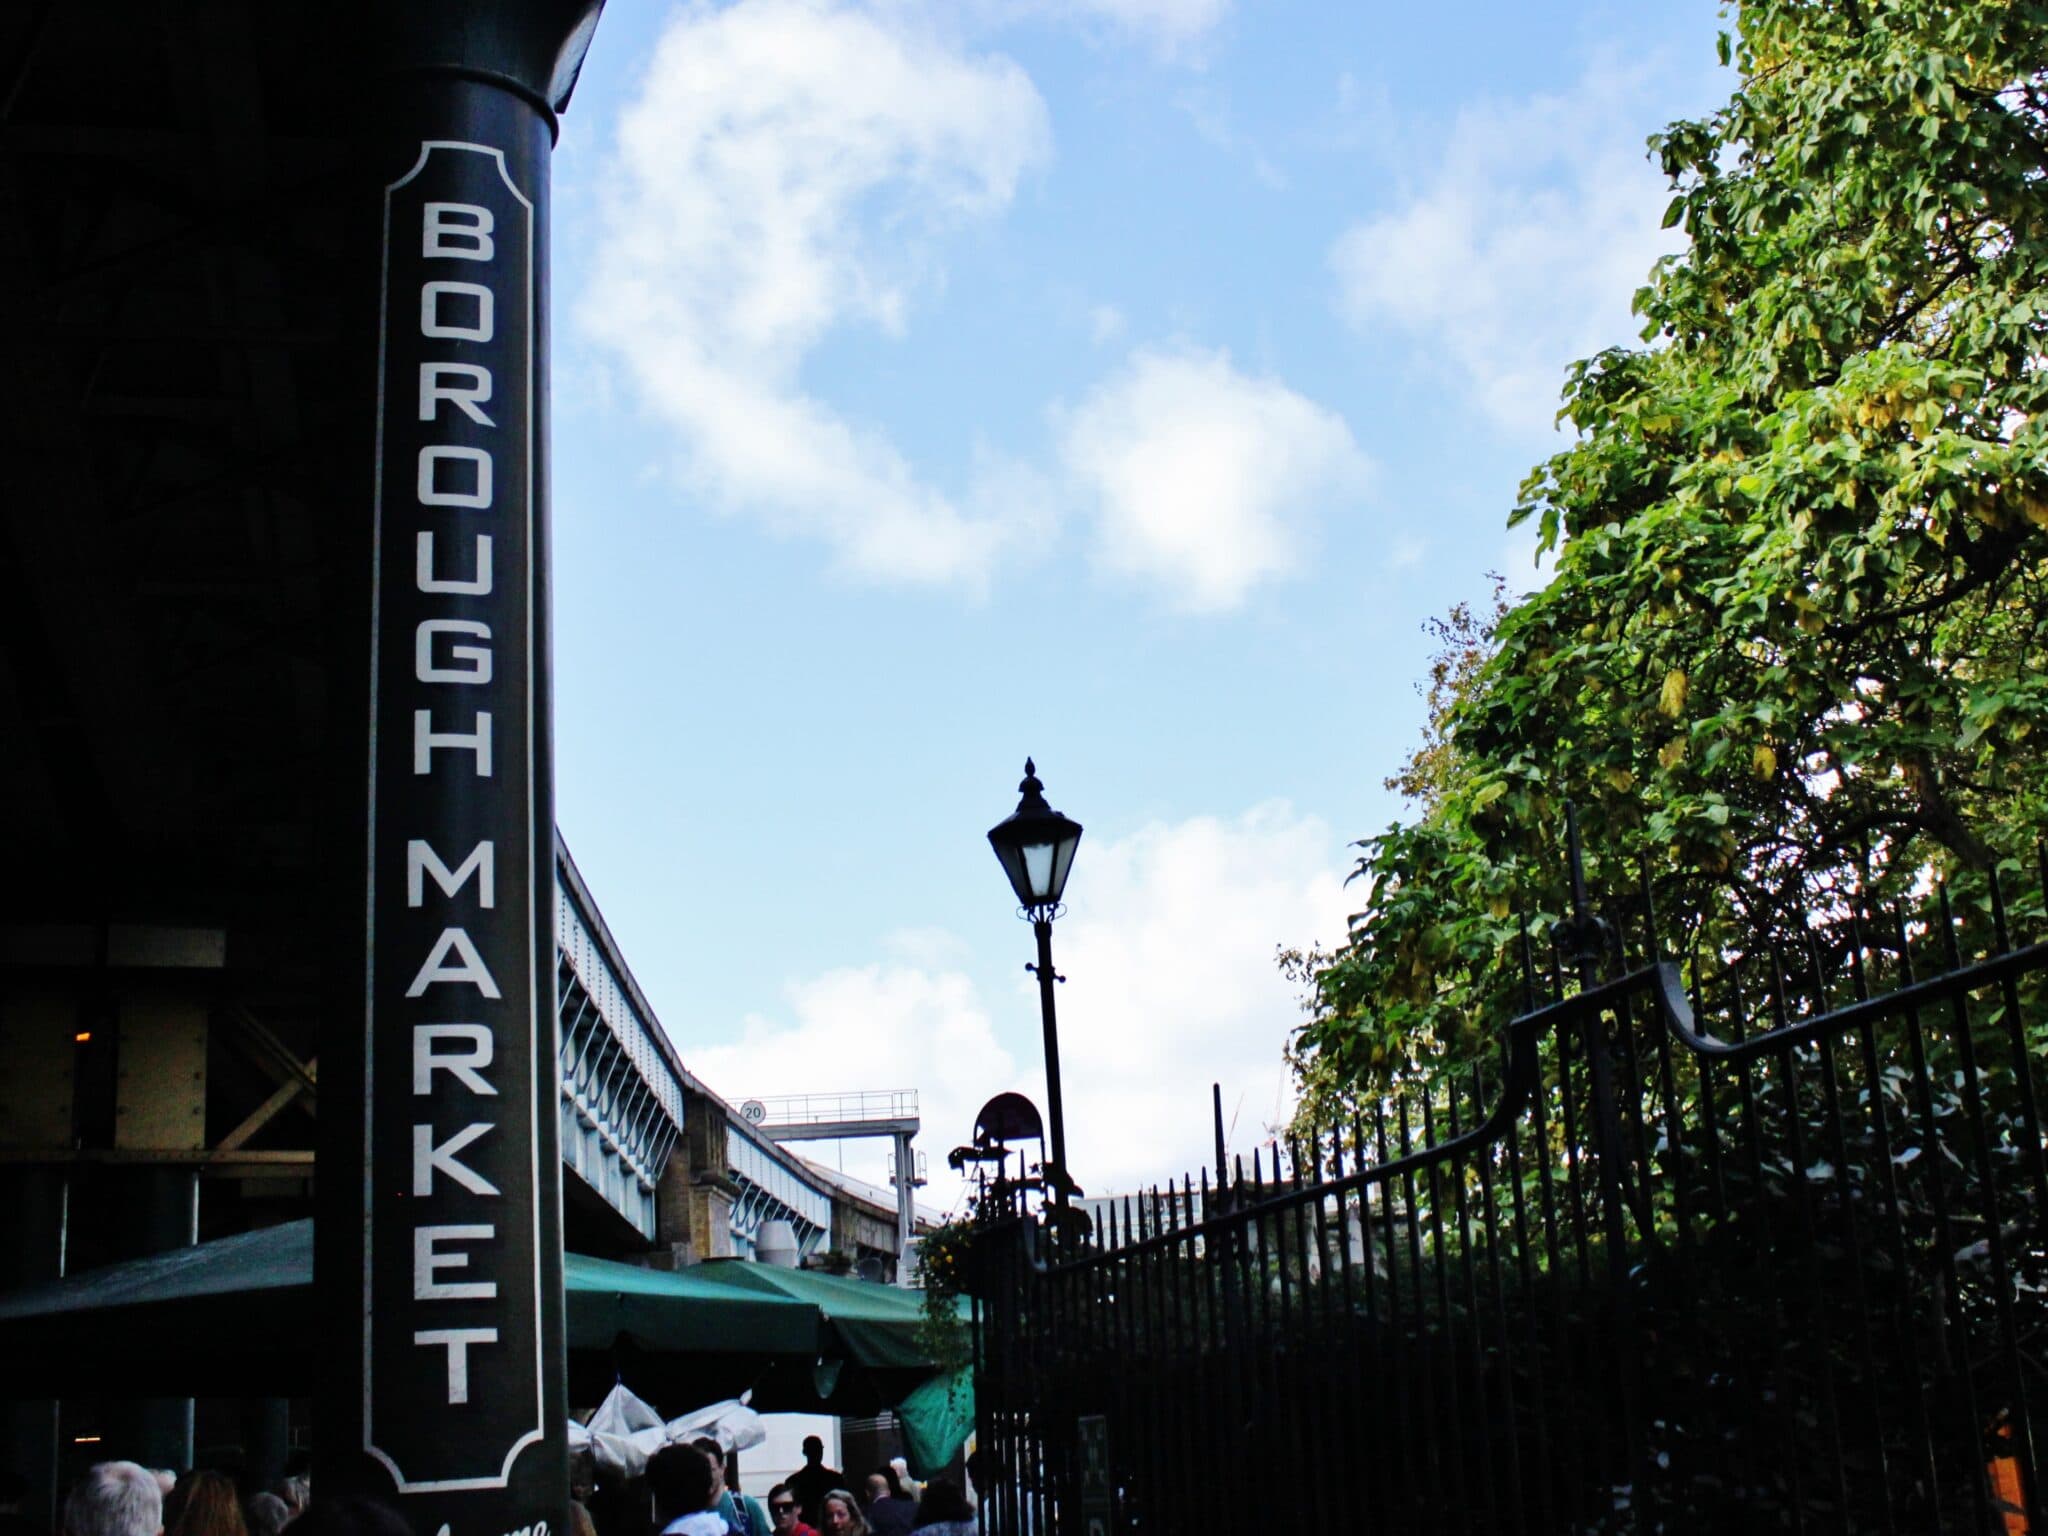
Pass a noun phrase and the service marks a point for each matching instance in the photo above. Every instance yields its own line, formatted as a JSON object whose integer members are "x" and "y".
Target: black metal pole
{"x": 440, "y": 1249}
{"x": 1216, "y": 1106}
{"x": 1042, "y": 927}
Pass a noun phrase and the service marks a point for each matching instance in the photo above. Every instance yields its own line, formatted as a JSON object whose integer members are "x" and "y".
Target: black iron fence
{"x": 1753, "y": 1241}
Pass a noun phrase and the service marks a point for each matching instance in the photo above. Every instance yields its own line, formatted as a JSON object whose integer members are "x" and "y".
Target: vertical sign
{"x": 461, "y": 1341}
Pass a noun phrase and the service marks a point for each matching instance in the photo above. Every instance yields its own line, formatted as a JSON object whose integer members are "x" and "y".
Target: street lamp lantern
{"x": 1036, "y": 846}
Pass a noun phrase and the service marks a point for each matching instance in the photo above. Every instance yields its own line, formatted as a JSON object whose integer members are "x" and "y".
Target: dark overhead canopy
{"x": 175, "y": 399}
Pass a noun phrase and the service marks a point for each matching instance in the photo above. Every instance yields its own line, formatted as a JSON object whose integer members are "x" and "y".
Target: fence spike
{"x": 1951, "y": 947}
{"x": 1998, "y": 928}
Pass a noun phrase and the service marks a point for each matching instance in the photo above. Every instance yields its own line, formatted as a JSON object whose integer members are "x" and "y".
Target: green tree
{"x": 1797, "y": 638}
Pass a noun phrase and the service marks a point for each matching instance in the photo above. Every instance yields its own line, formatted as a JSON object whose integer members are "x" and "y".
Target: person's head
{"x": 943, "y": 1501}
{"x": 878, "y": 1487}
{"x": 115, "y": 1498}
{"x": 814, "y": 1450}
{"x": 267, "y": 1514}
{"x": 682, "y": 1482}
{"x": 208, "y": 1506}
{"x": 782, "y": 1507}
{"x": 715, "y": 1454}
{"x": 842, "y": 1515}
{"x": 296, "y": 1491}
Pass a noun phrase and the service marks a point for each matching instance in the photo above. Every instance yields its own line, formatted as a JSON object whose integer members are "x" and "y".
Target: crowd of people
{"x": 696, "y": 1494}
{"x": 690, "y": 1489}
{"x": 120, "y": 1498}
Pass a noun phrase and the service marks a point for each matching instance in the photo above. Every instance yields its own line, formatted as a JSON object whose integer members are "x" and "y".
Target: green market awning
{"x": 223, "y": 1318}
{"x": 678, "y": 1311}
{"x": 937, "y": 1417}
{"x": 879, "y": 1331}
{"x": 878, "y": 1327}
{"x": 236, "y": 1315}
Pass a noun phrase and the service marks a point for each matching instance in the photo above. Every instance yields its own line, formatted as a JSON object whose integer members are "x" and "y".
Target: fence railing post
{"x": 1585, "y": 940}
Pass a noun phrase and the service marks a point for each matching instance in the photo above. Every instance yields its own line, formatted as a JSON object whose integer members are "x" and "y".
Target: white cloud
{"x": 1523, "y": 249}
{"x": 1169, "y": 954}
{"x": 1170, "y": 25}
{"x": 786, "y": 171}
{"x": 872, "y": 1027}
{"x": 1205, "y": 479}
{"x": 1175, "y": 30}
{"x": 1208, "y": 108}
{"x": 1362, "y": 118}
{"x": 1168, "y": 951}
{"x": 929, "y": 949}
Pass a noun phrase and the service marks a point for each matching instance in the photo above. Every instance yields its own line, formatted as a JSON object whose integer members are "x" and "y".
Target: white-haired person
{"x": 115, "y": 1498}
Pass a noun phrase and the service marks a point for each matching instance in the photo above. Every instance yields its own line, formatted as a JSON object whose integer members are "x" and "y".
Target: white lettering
{"x": 427, "y": 581}
{"x": 463, "y": 1066}
{"x": 433, "y": 494}
{"x": 421, "y": 861}
{"x": 426, "y": 741}
{"x": 457, "y": 1341}
{"x": 426, "y": 1260}
{"x": 467, "y": 400}
{"x": 477, "y": 657}
{"x": 426, "y": 1157}
{"x": 431, "y": 323}
{"x": 458, "y": 230}
{"x": 436, "y": 972}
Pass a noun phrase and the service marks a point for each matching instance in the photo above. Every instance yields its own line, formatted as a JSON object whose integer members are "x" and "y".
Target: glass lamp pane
{"x": 1013, "y": 866}
{"x": 1063, "y": 861}
{"x": 1038, "y": 863}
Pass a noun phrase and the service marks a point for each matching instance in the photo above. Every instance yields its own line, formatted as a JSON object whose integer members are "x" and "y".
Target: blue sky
{"x": 1122, "y": 382}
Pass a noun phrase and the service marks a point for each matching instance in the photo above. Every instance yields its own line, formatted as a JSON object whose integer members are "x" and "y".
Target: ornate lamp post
{"x": 1036, "y": 846}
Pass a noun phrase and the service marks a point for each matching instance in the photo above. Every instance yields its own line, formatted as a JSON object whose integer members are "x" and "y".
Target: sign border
{"x": 539, "y": 1430}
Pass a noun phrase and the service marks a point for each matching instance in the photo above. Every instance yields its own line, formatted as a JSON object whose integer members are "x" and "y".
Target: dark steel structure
{"x": 1752, "y": 1241}
{"x": 218, "y": 473}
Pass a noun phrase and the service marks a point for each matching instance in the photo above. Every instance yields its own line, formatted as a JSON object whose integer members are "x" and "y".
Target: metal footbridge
{"x": 890, "y": 1112}
{"x": 625, "y": 1094}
